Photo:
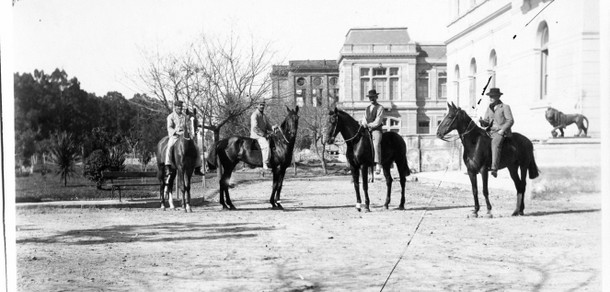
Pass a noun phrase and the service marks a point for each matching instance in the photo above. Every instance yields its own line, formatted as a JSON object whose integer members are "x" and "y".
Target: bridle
{"x": 461, "y": 136}
{"x": 346, "y": 140}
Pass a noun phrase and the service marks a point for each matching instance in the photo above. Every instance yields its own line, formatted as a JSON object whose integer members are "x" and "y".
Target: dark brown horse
{"x": 360, "y": 155}
{"x": 229, "y": 151}
{"x": 517, "y": 155}
{"x": 183, "y": 156}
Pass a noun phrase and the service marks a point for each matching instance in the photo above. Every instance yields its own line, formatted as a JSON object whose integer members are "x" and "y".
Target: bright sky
{"x": 101, "y": 42}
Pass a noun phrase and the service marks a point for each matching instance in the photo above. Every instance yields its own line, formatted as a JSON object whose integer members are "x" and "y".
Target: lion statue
{"x": 560, "y": 121}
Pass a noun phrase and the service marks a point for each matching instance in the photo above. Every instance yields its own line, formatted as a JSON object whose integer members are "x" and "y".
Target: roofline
{"x": 377, "y": 28}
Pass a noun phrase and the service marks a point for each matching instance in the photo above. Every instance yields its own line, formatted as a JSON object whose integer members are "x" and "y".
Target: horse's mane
{"x": 345, "y": 115}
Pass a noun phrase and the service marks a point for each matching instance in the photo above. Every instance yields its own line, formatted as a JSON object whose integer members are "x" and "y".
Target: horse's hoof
{"x": 231, "y": 207}
{"x": 517, "y": 213}
{"x": 488, "y": 216}
{"x": 367, "y": 210}
{"x": 385, "y": 206}
{"x": 279, "y": 207}
{"x": 162, "y": 208}
{"x": 472, "y": 215}
{"x": 358, "y": 209}
{"x": 401, "y": 207}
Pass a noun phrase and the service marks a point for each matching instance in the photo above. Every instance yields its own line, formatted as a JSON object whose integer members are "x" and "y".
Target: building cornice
{"x": 481, "y": 22}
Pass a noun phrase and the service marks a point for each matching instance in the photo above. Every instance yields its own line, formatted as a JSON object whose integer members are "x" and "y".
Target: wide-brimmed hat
{"x": 494, "y": 92}
{"x": 178, "y": 103}
{"x": 372, "y": 93}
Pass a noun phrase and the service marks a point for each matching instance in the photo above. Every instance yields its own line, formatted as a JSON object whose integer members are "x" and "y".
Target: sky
{"x": 104, "y": 43}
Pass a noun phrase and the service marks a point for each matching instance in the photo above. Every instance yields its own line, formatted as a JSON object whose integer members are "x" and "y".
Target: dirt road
{"x": 319, "y": 243}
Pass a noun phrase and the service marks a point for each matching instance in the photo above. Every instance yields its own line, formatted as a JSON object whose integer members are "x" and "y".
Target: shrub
{"x": 95, "y": 163}
{"x": 64, "y": 154}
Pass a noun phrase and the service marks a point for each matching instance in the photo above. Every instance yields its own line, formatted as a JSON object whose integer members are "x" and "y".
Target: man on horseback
{"x": 175, "y": 129}
{"x": 260, "y": 128}
{"x": 373, "y": 120}
{"x": 498, "y": 121}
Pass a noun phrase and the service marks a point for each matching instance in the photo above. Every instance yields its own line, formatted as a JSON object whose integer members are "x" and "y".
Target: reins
{"x": 350, "y": 139}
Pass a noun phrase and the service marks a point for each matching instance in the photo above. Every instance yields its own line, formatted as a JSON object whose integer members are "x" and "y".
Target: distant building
{"x": 306, "y": 83}
{"x": 540, "y": 53}
{"x": 409, "y": 77}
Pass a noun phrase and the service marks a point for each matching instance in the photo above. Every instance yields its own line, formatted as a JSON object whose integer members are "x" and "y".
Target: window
{"x": 300, "y": 81}
{"x": 391, "y": 124}
{"x": 364, "y": 88}
{"x": 544, "y": 59}
{"x": 380, "y": 86}
{"x": 423, "y": 127}
{"x": 317, "y": 81}
{"x": 379, "y": 71}
{"x": 493, "y": 62}
{"x": 442, "y": 85}
{"x": 472, "y": 93}
{"x": 385, "y": 84}
{"x": 422, "y": 85}
{"x": 394, "y": 89}
{"x": 333, "y": 81}
{"x": 456, "y": 84}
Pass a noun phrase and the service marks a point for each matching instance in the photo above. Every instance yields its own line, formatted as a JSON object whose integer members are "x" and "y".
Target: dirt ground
{"x": 319, "y": 243}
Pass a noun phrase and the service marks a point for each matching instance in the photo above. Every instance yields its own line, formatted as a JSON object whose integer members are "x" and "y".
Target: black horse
{"x": 360, "y": 154}
{"x": 229, "y": 151}
{"x": 517, "y": 154}
{"x": 183, "y": 156}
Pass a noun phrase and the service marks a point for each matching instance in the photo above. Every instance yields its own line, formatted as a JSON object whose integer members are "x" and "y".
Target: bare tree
{"x": 220, "y": 78}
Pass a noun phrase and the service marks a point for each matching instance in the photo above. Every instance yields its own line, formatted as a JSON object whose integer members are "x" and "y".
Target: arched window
{"x": 493, "y": 62}
{"x": 456, "y": 84}
{"x": 543, "y": 37}
{"x": 473, "y": 82}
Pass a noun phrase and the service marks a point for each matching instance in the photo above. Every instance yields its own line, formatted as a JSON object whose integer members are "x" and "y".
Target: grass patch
{"x": 566, "y": 180}
{"x": 38, "y": 187}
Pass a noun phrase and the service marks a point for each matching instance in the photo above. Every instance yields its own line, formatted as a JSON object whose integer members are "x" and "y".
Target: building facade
{"x": 306, "y": 83}
{"x": 409, "y": 77}
{"x": 540, "y": 53}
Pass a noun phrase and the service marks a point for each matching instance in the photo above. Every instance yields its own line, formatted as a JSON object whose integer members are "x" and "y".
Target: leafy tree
{"x": 64, "y": 154}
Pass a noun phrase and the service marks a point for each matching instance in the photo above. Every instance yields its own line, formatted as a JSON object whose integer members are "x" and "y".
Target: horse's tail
{"x": 211, "y": 161}
{"x": 586, "y": 126}
{"x": 532, "y": 167}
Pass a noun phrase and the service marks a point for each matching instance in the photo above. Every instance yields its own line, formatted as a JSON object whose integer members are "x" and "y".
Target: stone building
{"x": 306, "y": 83}
{"x": 409, "y": 77}
{"x": 540, "y": 53}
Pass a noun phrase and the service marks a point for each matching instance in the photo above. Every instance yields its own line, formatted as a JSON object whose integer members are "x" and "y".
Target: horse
{"x": 227, "y": 152}
{"x": 360, "y": 155}
{"x": 560, "y": 121}
{"x": 517, "y": 154}
{"x": 183, "y": 157}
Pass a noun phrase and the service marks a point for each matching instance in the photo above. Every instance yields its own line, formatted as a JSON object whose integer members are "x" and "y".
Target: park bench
{"x": 124, "y": 179}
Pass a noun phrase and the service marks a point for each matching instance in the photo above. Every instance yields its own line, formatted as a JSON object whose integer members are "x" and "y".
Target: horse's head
{"x": 454, "y": 117}
{"x": 191, "y": 123}
{"x": 332, "y": 122}
{"x": 291, "y": 123}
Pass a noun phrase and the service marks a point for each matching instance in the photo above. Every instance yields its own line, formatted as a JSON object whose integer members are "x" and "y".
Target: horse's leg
{"x": 223, "y": 185}
{"x": 186, "y": 196}
{"x": 401, "y": 166}
{"x": 279, "y": 189}
{"x": 161, "y": 177}
{"x": 523, "y": 184}
{"x": 475, "y": 193}
{"x": 169, "y": 188}
{"x": 227, "y": 197}
{"x": 365, "y": 188}
{"x": 274, "y": 188}
{"x": 485, "y": 179}
{"x": 388, "y": 184}
{"x": 356, "y": 180}
{"x": 517, "y": 181}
